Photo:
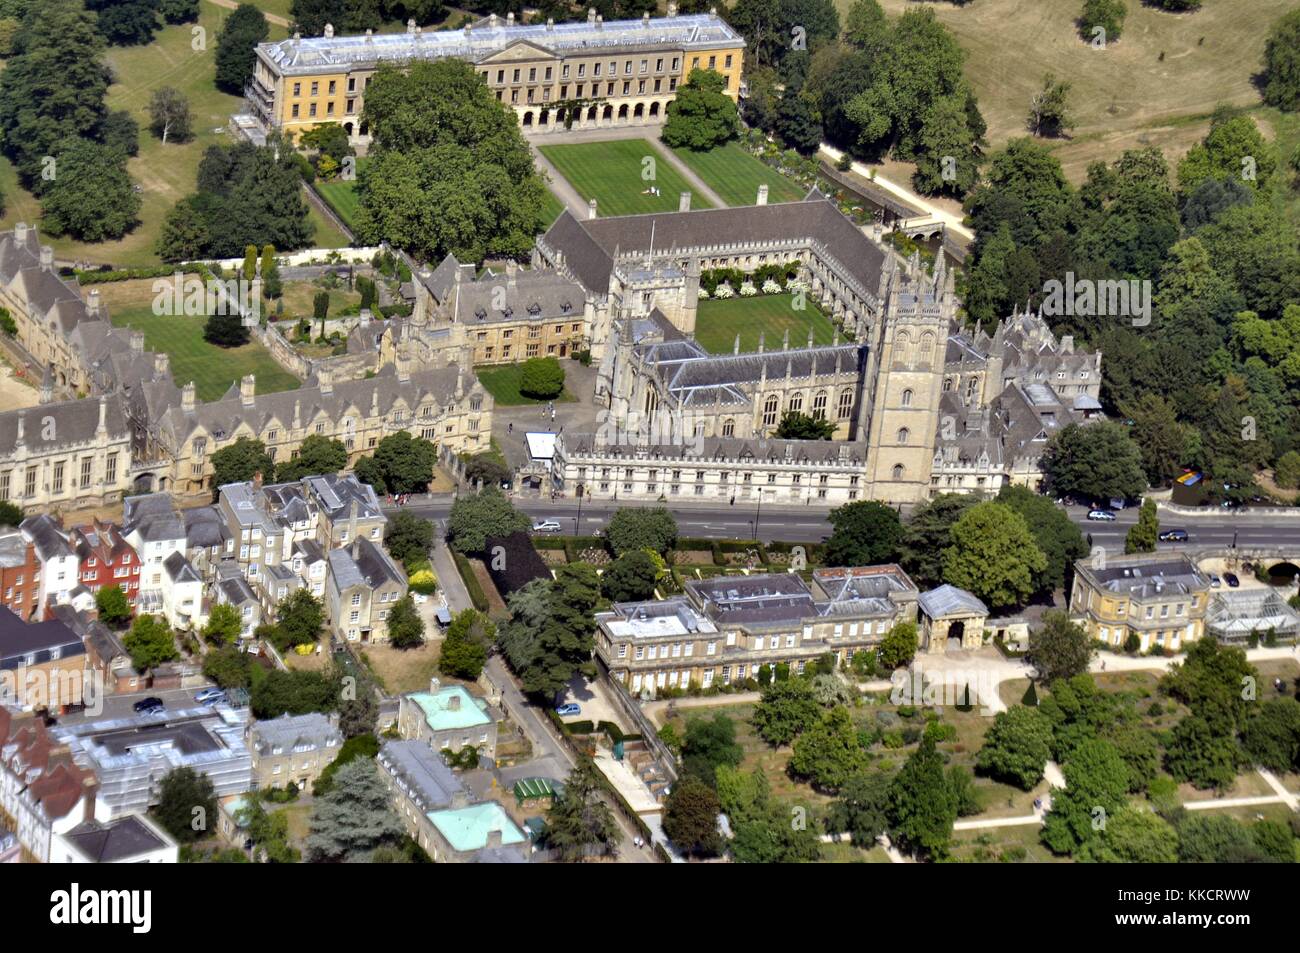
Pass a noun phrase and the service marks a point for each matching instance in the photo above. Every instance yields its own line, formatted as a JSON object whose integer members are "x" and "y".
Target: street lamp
{"x": 758, "y": 511}
{"x": 577, "y": 524}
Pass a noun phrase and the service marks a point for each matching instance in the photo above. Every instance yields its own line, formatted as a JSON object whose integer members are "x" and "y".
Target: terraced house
{"x": 726, "y": 629}
{"x": 588, "y": 74}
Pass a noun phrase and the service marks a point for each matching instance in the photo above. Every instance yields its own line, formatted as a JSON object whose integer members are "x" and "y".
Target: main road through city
{"x": 1210, "y": 529}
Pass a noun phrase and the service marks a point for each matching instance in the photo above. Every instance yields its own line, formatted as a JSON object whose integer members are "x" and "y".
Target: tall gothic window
{"x": 796, "y": 403}
{"x": 907, "y": 398}
{"x": 819, "y": 405}
{"x": 769, "y": 411}
{"x": 729, "y": 427}
{"x": 846, "y": 404}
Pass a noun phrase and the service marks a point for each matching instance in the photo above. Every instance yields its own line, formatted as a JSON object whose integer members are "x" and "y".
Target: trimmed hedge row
{"x": 466, "y": 571}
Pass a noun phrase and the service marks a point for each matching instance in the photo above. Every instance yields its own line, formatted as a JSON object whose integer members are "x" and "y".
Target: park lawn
{"x": 612, "y": 174}
{"x": 1019, "y": 844}
{"x": 502, "y": 382}
{"x": 213, "y": 369}
{"x": 325, "y": 234}
{"x": 1124, "y": 97}
{"x": 736, "y": 175}
{"x": 165, "y": 173}
{"x": 718, "y": 321}
{"x": 341, "y": 194}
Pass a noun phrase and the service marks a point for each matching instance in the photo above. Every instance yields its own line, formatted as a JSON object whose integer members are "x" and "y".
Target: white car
{"x": 546, "y": 526}
{"x": 419, "y": 598}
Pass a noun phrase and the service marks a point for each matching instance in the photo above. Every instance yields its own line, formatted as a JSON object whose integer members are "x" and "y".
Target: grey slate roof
{"x": 336, "y": 494}
{"x": 293, "y": 731}
{"x": 75, "y": 422}
{"x": 115, "y": 841}
{"x": 429, "y": 782}
{"x": 18, "y": 639}
{"x": 949, "y": 600}
{"x": 772, "y": 598}
{"x": 47, "y": 536}
{"x": 179, "y": 569}
{"x": 701, "y": 450}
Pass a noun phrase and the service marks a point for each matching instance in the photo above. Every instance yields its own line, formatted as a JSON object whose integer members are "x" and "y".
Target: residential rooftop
{"x": 451, "y": 707}
{"x": 468, "y": 828}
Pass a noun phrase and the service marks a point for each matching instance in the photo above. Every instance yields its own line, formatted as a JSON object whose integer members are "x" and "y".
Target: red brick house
{"x": 20, "y": 575}
{"x": 105, "y": 558}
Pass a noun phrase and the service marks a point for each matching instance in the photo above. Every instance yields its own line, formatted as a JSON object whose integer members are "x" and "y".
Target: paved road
{"x": 802, "y": 524}
{"x": 119, "y": 706}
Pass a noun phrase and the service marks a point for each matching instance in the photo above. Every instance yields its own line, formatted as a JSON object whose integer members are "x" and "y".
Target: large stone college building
{"x": 587, "y": 74}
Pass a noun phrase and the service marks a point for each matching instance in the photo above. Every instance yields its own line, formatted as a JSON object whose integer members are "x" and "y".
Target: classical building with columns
{"x": 585, "y": 74}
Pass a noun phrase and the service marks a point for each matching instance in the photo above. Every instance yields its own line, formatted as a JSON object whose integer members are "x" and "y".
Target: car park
{"x": 210, "y": 696}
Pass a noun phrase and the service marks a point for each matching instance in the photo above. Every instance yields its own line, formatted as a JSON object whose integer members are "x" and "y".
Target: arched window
{"x": 819, "y": 405}
{"x": 907, "y": 398}
{"x": 947, "y": 383}
{"x": 769, "y": 410}
{"x": 903, "y": 348}
{"x": 970, "y": 387}
{"x": 796, "y": 404}
{"x": 927, "y": 347}
{"x": 903, "y": 434}
{"x": 846, "y": 404}
{"x": 729, "y": 427}
{"x": 898, "y": 471}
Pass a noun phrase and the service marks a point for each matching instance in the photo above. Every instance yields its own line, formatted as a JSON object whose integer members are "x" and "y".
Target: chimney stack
{"x": 591, "y": 15}
{"x": 591, "y": 209}
{"x": 410, "y": 25}
{"x": 762, "y": 194}
{"x": 137, "y": 342}
{"x": 325, "y": 382}
{"x": 329, "y": 31}
{"x": 453, "y": 703}
{"x": 47, "y": 257}
{"x": 248, "y": 390}
{"x": 103, "y": 415}
{"x": 187, "y": 398}
{"x": 684, "y": 202}
{"x": 510, "y": 18}
{"x": 161, "y": 365}
{"x": 92, "y": 302}
{"x": 20, "y": 233}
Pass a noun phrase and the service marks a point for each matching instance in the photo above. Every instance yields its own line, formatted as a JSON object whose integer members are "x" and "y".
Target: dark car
{"x": 1173, "y": 536}
{"x": 149, "y": 705}
{"x": 1231, "y": 579}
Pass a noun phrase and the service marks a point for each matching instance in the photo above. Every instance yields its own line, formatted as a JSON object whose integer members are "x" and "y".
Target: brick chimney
{"x": 248, "y": 390}
{"x": 453, "y": 703}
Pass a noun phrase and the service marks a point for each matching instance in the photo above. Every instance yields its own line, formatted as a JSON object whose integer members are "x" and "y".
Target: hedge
{"x": 131, "y": 274}
{"x": 466, "y": 571}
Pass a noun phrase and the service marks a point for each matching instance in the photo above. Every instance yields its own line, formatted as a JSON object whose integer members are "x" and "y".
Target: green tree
{"x": 993, "y": 555}
{"x": 1144, "y": 534}
{"x": 1274, "y": 840}
{"x": 126, "y": 22}
{"x": 354, "y": 817}
{"x": 409, "y": 538}
{"x": 1049, "y": 113}
{"x": 317, "y": 456}
{"x": 785, "y": 710}
{"x": 223, "y": 626}
{"x": 542, "y": 378}
{"x": 237, "y": 47}
{"x": 702, "y": 116}
{"x": 169, "y": 115}
{"x": 708, "y": 744}
{"x": 1211, "y": 680}
{"x": 1271, "y": 737}
{"x": 465, "y": 648}
{"x": 187, "y": 805}
{"x": 240, "y": 462}
{"x": 294, "y": 693}
{"x": 1132, "y": 835}
{"x": 1282, "y": 64}
{"x": 272, "y": 286}
{"x": 1205, "y": 838}
{"x": 1096, "y": 461}
{"x": 898, "y": 647}
{"x": 863, "y": 533}
{"x": 179, "y": 11}
{"x": 1287, "y": 472}
{"x": 862, "y": 808}
{"x": 300, "y": 618}
{"x": 927, "y": 533}
{"x": 948, "y": 157}
{"x": 226, "y": 329}
{"x": 797, "y": 426}
{"x": 150, "y": 642}
{"x": 1017, "y": 747}
{"x": 449, "y": 170}
{"x": 829, "y": 753}
{"x": 922, "y": 806}
{"x": 691, "y": 818}
{"x": 1096, "y": 781}
{"x": 1107, "y": 14}
{"x": 405, "y": 627}
{"x": 798, "y": 123}
{"x": 229, "y": 667}
{"x": 489, "y": 513}
{"x": 642, "y": 527}
{"x": 1059, "y": 648}
{"x": 579, "y": 822}
{"x": 631, "y": 577}
{"x": 91, "y": 197}
{"x": 551, "y": 632}
{"x": 113, "y": 607}
{"x": 1234, "y": 148}
{"x": 1055, "y": 534}
{"x": 400, "y": 464}
{"x": 1204, "y": 752}
{"x": 488, "y": 469}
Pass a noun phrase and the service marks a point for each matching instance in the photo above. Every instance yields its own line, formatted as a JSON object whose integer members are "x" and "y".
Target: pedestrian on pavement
{"x": 511, "y": 428}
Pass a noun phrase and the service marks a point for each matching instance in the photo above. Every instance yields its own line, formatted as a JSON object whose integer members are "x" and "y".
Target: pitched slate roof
{"x": 18, "y": 639}
{"x": 75, "y": 422}
{"x": 115, "y": 841}
{"x": 949, "y": 600}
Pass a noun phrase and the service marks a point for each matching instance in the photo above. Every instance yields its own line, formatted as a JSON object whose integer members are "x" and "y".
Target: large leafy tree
{"x": 449, "y": 170}
{"x": 863, "y": 533}
{"x": 927, "y": 533}
{"x": 829, "y": 753}
{"x": 1272, "y": 737}
{"x": 862, "y": 808}
{"x": 1054, "y": 533}
{"x": 400, "y": 464}
{"x": 709, "y": 743}
{"x": 691, "y": 818}
{"x": 1059, "y": 648}
{"x": 994, "y": 555}
{"x": 1145, "y": 533}
{"x": 112, "y": 605}
{"x": 652, "y": 528}
{"x": 241, "y": 461}
{"x": 223, "y": 626}
{"x": 408, "y": 538}
{"x": 237, "y": 48}
{"x": 52, "y": 88}
{"x": 1017, "y": 747}
{"x": 405, "y": 625}
{"x": 1094, "y": 461}
{"x": 318, "y": 455}
{"x": 126, "y": 22}
{"x": 702, "y": 115}
{"x": 465, "y": 647}
{"x": 551, "y": 631}
{"x": 91, "y": 197}
{"x": 922, "y": 806}
{"x": 150, "y": 642}
{"x": 580, "y": 824}
{"x": 1096, "y": 782}
{"x": 631, "y": 577}
{"x": 1133, "y": 836}
{"x": 786, "y": 709}
{"x": 474, "y": 518}
{"x": 187, "y": 805}
{"x": 354, "y": 817}
{"x": 1203, "y": 751}
{"x": 295, "y": 693}
{"x": 1282, "y": 64}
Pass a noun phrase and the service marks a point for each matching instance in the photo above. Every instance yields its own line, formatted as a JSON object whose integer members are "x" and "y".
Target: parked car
{"x": 1105, "y": 515}
{"x": 1173, "y": 536}
{"x": 210, "y": 696}
{"x": 1231, "y": 579}
{"x": 149, "y": 706}
{"x": 1215, "y": 581}
{"x": 572, "y": 708}
{"x": 419, "y": 597}
{"x": 546, "y": 526}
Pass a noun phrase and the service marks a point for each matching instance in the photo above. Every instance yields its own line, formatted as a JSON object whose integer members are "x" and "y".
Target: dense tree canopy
{"x": 864, "y": 533}
{"x": 994, "y": 555}
{"x": 702, "y": 115}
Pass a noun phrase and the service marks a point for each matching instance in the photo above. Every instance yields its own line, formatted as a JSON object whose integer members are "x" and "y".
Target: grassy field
{"x": 736, "y": 175}
{"x": 612, "y": 173}
{"x": 1123, "y": 97}
{"x": 213, "y": 369}
{"x": 502, "y": 382}
{"x": 719, "y": 321}
{"x": 299, "y": 298}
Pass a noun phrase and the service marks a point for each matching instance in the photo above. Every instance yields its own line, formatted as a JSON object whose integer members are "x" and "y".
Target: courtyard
{"x": 619, "y": 174}
{"x": 718, "y": 321}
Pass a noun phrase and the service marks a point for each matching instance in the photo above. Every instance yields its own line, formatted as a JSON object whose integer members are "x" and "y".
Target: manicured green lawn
{"x": 617, "y": 174}
{"x": 213, "y": 369}
{"x": 719, "y": 321}
{"x": 736, "y": 175}
{"x": 341, "y": 195}
{"x": 551, "y": 208}
{"x": 502, "y": 382}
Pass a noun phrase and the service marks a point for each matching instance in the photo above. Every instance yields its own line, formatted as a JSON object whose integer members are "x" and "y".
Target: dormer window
{"x": 534, "y": 309}
{"x": 480, "y": 313}
{"x": 565, "y": 308}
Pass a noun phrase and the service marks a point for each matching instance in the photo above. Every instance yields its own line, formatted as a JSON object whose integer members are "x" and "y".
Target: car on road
{"x": 1231, "y": 579}
{"x": 1215, "y": 581}
{"x": 149, "y": 706}
{"x": 1105, "y": 515}
{"x": 571, "y": 708}
{"x": 1173, "y": 536}
{"x": 546, "y": 526}
{"x": 210, "y": 696}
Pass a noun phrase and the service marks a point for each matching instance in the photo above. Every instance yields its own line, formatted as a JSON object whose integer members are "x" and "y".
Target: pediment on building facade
{"x": 518, "y": 51}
